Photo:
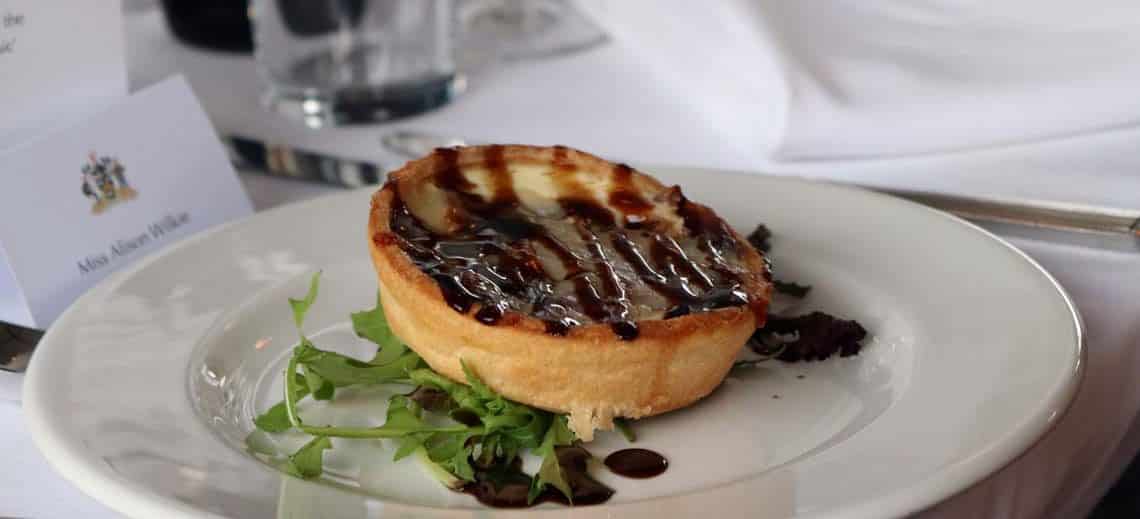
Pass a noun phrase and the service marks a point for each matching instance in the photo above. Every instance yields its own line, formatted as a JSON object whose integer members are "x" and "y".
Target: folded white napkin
{"x": 850, "y": 78}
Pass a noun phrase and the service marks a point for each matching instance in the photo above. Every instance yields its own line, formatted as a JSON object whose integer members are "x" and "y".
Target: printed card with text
{"x": 60, "y": 60}
{"x": 82, "y": 202}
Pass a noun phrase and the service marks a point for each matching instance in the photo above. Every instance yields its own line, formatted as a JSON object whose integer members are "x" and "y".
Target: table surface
{"x": 607, "y": 101}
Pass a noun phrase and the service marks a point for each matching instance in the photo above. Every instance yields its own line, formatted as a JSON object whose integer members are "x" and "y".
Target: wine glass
{"x": 507, "y": 30}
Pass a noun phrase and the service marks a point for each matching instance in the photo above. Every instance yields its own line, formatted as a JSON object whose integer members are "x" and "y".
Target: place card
{"x": 82, "y": 202}
{"x": 60, "y": 60}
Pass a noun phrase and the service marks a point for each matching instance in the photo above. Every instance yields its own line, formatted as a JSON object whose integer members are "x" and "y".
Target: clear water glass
{"x": 334, "y": 62}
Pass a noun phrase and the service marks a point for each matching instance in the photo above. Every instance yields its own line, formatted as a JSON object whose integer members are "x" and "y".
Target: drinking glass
{"x": 333, "y": 62}
{"x": 508, "y": 30}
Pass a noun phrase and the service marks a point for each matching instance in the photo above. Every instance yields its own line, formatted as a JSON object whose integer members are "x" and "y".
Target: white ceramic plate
{"x": 143, "y": 391}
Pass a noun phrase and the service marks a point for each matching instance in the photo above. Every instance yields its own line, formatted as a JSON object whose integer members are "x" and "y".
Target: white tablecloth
{"x": 608, "y": 101}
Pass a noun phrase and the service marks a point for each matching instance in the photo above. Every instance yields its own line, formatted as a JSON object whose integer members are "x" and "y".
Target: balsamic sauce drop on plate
{"x": 637, "y": 463}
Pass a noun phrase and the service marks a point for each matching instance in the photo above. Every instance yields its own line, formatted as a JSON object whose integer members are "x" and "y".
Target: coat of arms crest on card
{"x": 105, "y": 182}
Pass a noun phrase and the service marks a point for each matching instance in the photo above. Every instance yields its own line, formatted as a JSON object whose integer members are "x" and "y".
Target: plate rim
{"x": 129, "y": 498}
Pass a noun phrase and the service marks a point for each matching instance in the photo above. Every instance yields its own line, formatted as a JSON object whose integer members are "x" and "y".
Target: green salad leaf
{"x": 295, "y": 387}
{"x": 308, "y": 461}
{"x": 341, "y": 371}
{"x": 453, "y": 453}
{"x": 401, "y": 421}
{"x": 373, "y": 326}
{"x": 551, "y": 473}
{"x": 437, "y": 472}
{"x": 477, "y": 386}
{"x": 276, "y": 419}
{"x": 409, "y": 444}
{"x": 479, "y": 435}
{"x": 325, "y": 392}
{"x": 301, "y": 306}
{"x": 320, "y": 388}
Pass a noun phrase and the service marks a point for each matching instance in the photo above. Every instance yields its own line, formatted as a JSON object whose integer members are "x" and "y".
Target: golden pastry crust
{"x": 589, "y": 373}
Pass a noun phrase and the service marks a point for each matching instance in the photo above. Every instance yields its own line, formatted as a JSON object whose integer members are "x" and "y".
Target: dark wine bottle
{"x": 211, "y": 24}
{"x": 309, "y": 18}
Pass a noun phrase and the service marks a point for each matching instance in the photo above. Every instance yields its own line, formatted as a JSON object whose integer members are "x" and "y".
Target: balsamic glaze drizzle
{"x": 491, "y": 261}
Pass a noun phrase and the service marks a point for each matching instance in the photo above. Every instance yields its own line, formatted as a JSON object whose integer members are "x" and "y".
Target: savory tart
{"x": 564, "y": 281}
